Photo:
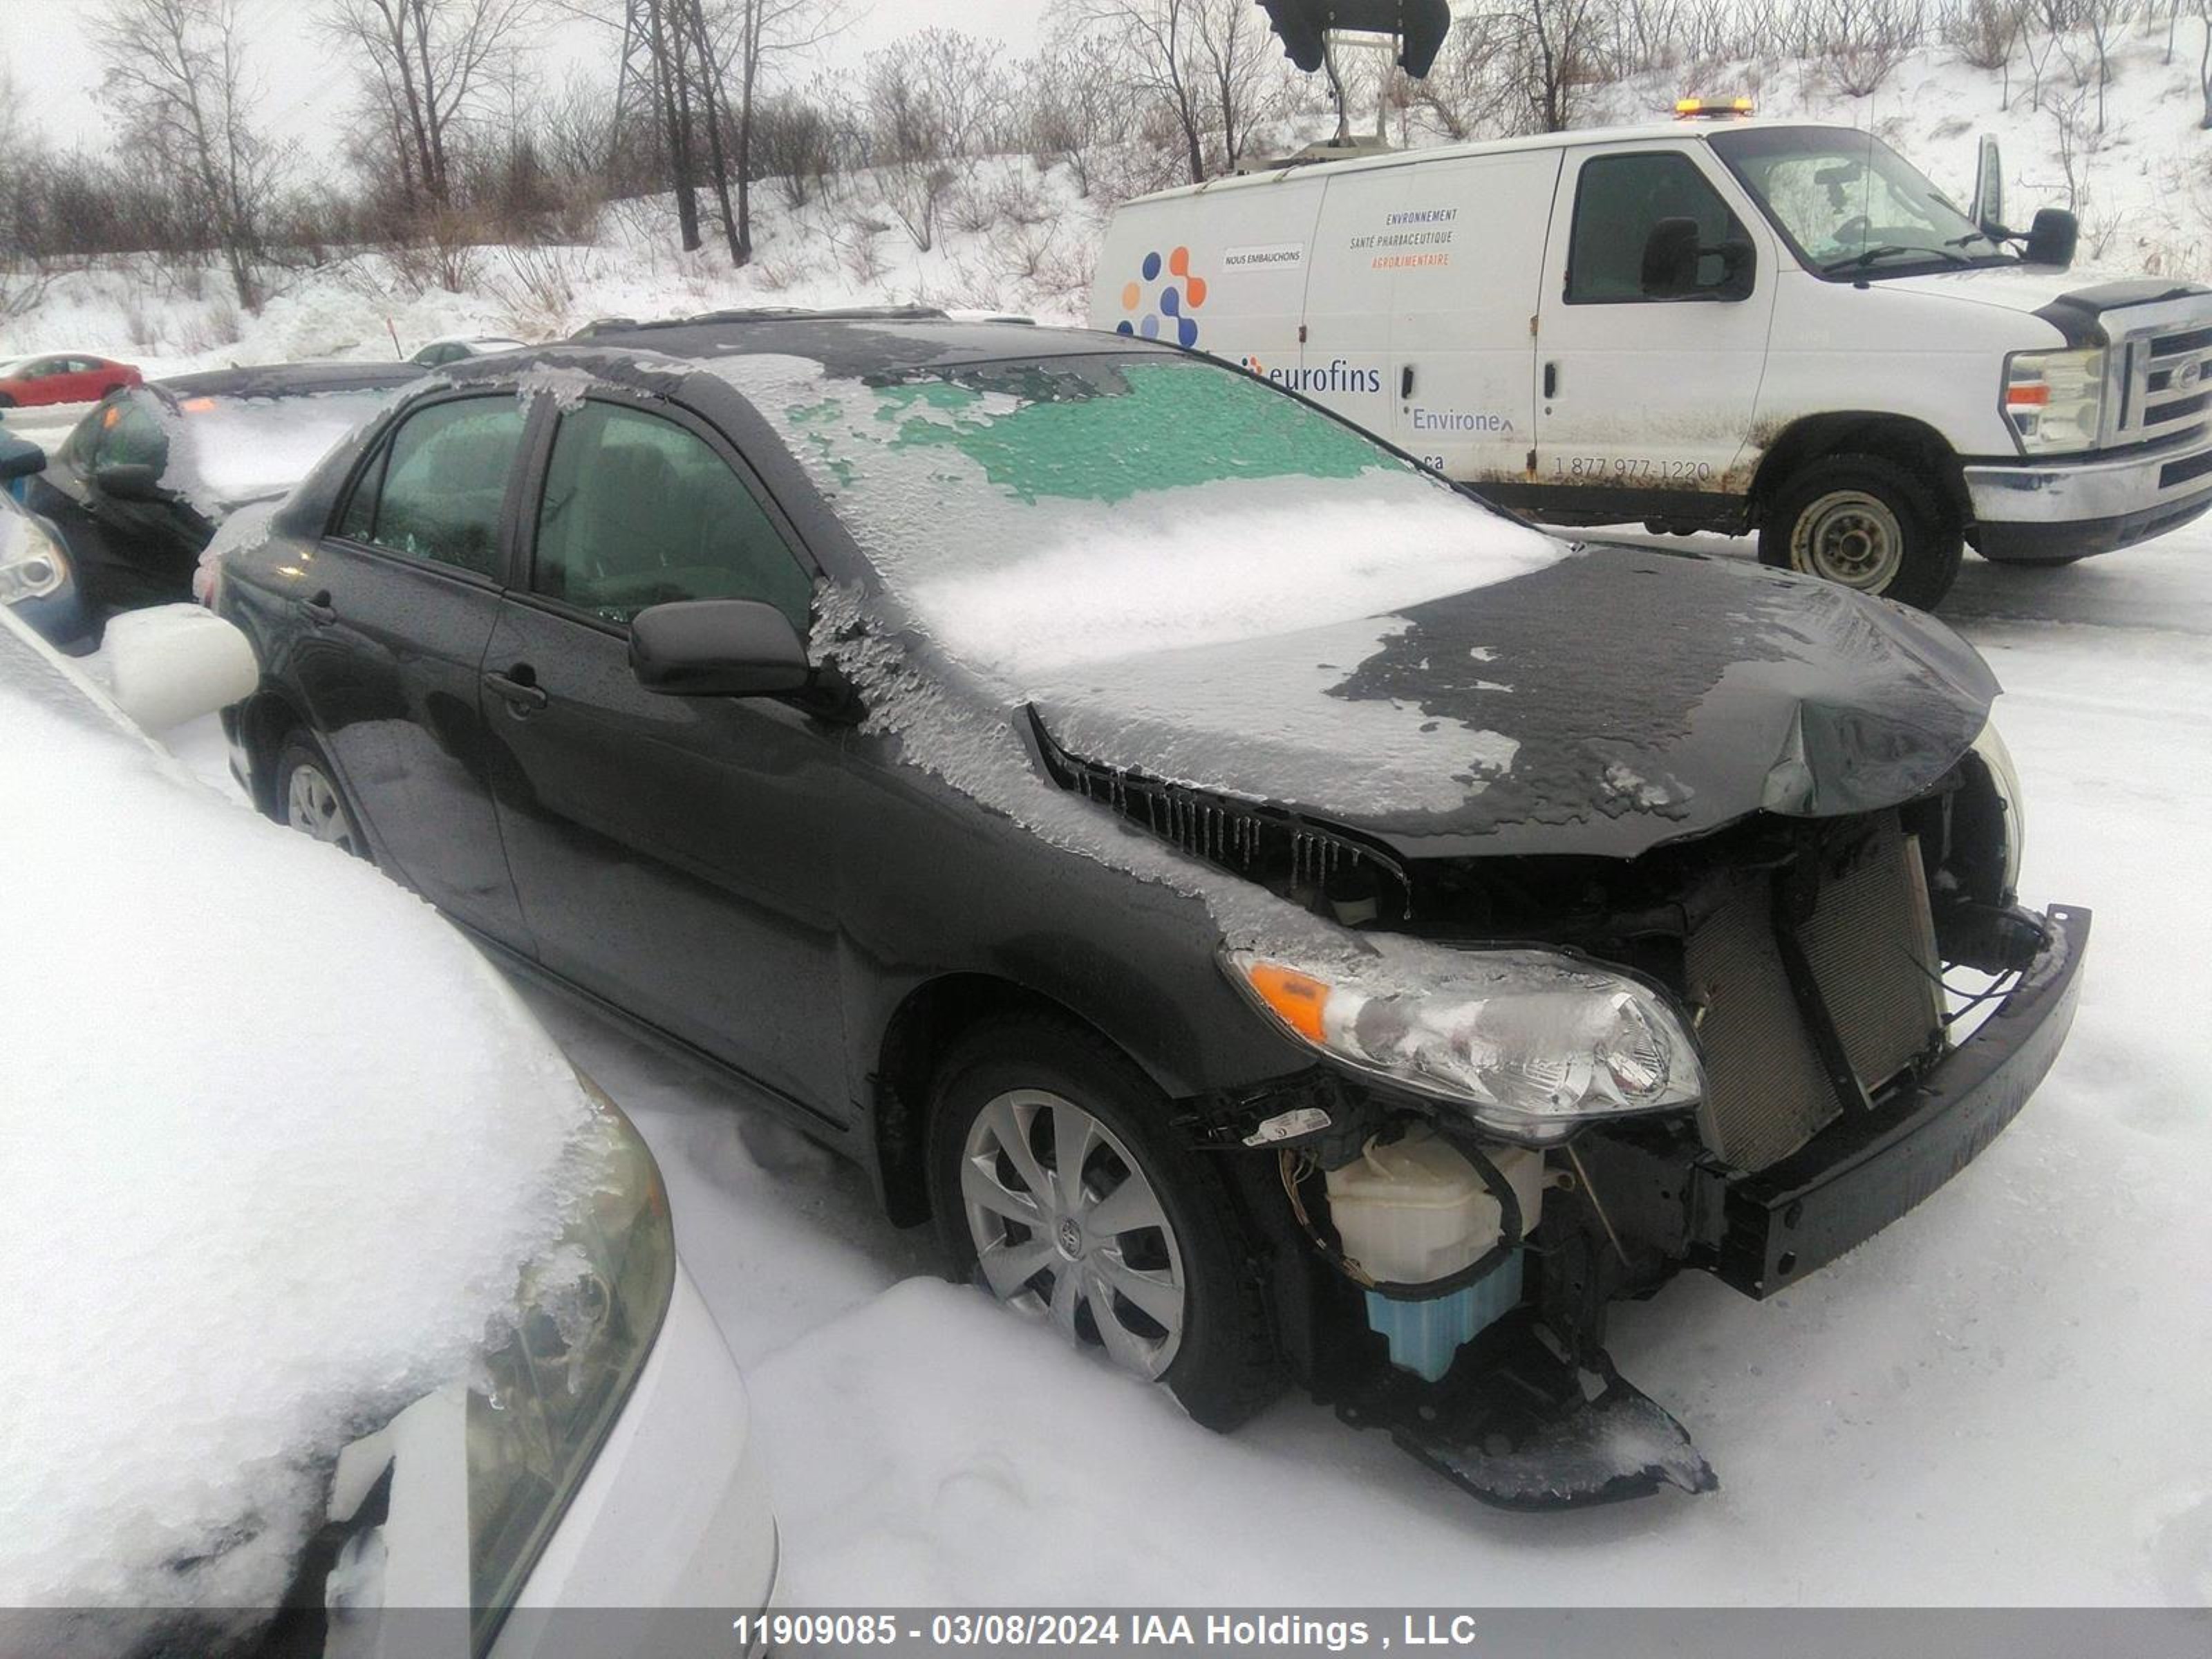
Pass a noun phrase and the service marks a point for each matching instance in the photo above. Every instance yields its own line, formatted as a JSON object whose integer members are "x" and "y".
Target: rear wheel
{"x": 1864, "y": 523}
{"x": 308, "y": 797}
{"x": 1056, "y": 1186}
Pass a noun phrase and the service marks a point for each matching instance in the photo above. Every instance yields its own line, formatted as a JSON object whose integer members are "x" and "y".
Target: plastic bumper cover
{"x": 2033, "y": 510}
{"x": 1779, "y": 1224}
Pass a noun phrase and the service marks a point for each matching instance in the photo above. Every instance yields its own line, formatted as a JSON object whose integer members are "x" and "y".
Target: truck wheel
{"x": 1055, "y": 1186}
{"x": 1864, "y": 523}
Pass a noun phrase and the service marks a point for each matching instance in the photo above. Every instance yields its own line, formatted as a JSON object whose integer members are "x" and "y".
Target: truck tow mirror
{"x": 1988, "y": 207}
{"x": 1670, "y": 259}
{"x": 2053, "y": 238}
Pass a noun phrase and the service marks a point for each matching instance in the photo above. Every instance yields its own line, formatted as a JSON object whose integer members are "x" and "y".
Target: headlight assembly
{"x": 2004, "y": 779}
{"x": 2055, "y": 400}
{"x": 33, "y": 567}
{"x": 1528, "y": 1045}
{"x": 585, "y": 1321}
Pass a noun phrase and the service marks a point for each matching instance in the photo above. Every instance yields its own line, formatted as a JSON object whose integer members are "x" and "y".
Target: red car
{"x": 63, "y": 377}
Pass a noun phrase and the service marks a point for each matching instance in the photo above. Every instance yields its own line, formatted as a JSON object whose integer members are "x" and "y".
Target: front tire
{"x": 309, "y": 798}
{"x": 1056, "y": 1184}
{"x": 1866, "y": 523}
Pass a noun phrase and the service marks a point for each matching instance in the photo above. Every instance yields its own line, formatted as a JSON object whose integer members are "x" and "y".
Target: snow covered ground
{"x": 2001, "y": 1398}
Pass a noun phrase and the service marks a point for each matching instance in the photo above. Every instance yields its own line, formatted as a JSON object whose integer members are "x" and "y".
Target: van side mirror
{"x": 1988, "y": 208}
{"x": 1673, "y": 253}
{"x": 128, "y": 480}
{"x": 717, "y": 648}
{"x": 2053, "y": 238}
{"x": 1670, "y": 259}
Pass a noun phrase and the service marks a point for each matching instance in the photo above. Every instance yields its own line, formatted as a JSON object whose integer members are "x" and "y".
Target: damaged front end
{"x": 1562, "y": 1079}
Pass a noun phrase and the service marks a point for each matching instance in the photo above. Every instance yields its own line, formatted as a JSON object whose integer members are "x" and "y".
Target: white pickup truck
{"x": 1730, "y": 325}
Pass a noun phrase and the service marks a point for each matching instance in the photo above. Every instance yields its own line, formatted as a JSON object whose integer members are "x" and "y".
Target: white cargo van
{"x": 1734, "y": 326}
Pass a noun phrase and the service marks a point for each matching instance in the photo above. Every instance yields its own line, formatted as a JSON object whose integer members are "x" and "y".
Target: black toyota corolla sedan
{"x": 1274, "y": 914}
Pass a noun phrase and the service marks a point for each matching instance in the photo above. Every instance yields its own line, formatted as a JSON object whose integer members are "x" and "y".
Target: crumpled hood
{"x": 1620, "y": 698}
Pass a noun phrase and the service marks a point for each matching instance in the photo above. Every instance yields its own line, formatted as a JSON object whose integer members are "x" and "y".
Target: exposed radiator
{"x": 1870, "y": 944}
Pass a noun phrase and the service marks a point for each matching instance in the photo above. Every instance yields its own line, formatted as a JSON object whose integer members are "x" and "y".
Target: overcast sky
{"x": 44, "y": 45}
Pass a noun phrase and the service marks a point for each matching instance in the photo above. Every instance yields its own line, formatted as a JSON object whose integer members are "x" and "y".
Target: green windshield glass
{"x": 1100, "y": 432}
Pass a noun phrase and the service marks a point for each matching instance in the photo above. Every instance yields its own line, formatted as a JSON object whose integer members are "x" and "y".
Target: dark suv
{"x": 1271, "y": 910}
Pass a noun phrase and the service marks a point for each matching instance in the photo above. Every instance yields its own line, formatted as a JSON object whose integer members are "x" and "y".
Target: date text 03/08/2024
{"x": 1021, "y": 1630}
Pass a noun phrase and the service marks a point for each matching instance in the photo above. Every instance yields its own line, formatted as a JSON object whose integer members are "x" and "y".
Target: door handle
{"x": 319, "y": 611}
{"x": 1405, "y": 380}
{"x": 523, "y": 696}
{"x": 1551, "y": 379}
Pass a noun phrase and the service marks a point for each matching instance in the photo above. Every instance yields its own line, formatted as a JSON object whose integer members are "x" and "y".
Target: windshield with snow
{"x": 1849, "y": 204}
{"x": 1038, "y": 514}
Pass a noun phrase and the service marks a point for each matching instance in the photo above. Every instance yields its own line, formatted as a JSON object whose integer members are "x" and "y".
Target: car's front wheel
{"x": 309, "y": 799}
{"x": 1056, "y": 1185}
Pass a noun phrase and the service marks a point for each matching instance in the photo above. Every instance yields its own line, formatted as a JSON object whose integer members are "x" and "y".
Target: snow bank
{"x": 277, "y": 1143}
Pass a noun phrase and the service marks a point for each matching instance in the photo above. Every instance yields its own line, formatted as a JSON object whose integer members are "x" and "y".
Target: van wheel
{"x": 1864, "y": 523}
{"x": 308, "y": 797}
{"x": 1056, "y": 1187}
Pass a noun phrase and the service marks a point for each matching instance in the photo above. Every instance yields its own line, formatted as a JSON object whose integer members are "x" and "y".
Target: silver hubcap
{"x": 1849, "y": 537}
{"x": 1065, "y": 1225}
{"x": 312, "y": 806}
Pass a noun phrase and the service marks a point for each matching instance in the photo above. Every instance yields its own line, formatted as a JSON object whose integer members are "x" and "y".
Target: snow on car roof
{"x": 277, "y": 1145}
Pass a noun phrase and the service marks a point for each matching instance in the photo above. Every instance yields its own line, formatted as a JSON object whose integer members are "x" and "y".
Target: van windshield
{"x": 1849, "y": 205}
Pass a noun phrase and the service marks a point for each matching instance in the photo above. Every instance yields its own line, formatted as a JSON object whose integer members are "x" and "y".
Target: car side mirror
{"x": 717, "y": 648}
{"x": 174, "y": 663}
{"x": 20, "y": 459}
{"x": 128, "y": 480}
{"x": 2053, "y": 238}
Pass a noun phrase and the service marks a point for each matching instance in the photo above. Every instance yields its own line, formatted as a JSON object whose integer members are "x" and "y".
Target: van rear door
{"x": 1464, "y": 245}
{"x": 1641, "y": 400}
{"x": 1222, "y": 270}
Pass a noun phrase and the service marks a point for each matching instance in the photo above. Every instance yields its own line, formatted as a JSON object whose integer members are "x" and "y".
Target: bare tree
{"x": 1156, "y": 39}
{"x": 1557, "y": 50}
{"x": 431, "y": 65}
{"x": 1236, "y": 61}
{"x": 177, "y": 73}
{"x": 1077, "y": 105}
{"x": 766, "y": 32}
{"x": 928, "y": 98}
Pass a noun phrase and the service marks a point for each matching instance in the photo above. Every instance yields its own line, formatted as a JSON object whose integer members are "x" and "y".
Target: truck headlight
{"x": 2055, "y": 400}
{"x": 585, "y": 1319}
{"x": 1529, "y": 1045}
{"x": 33, "y": 567}
{"x": 2004, "y": 779}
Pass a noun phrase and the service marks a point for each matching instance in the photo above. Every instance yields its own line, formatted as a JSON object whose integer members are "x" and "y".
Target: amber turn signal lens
{"x": 1297, "y": 998}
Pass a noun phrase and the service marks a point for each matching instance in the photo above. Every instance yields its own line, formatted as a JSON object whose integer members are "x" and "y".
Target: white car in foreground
{"x": 334, "y": 1298}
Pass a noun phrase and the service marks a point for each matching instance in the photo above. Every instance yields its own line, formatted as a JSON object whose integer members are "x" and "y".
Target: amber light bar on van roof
{"x": 1710, "y": 109}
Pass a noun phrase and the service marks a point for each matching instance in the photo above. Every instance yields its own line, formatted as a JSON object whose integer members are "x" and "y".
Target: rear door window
{"x": 640, "y": 511}
{"x": 1618, "y": 199}
{"x": 437, "y": 490}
